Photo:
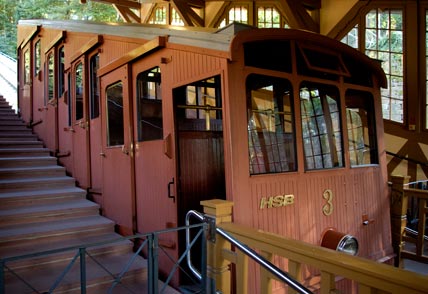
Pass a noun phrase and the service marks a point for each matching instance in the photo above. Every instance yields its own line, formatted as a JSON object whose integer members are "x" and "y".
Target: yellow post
{"x": 398, "y": 210}
{"x": 218, "y": 267}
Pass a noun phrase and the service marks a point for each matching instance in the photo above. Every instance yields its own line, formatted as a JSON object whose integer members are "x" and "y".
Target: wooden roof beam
{"x": 298, "y": 16}
{"x": 189, "y": 16}
{"x": 123, "y": 3}
{"x": 127, "y": 14}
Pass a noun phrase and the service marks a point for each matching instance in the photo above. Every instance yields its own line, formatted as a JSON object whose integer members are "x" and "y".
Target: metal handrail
{"x": 273, "y": 269}
{"x": 201, "y": 218}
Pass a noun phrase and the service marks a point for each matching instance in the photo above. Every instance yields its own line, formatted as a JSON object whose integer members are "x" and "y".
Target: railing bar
{"x": 415, "y": 233}
{"x": 2, "y": 285}
{"x": 268, "y": 265}
{"x": 177, "y": 264}
{"x": 204, "y": 265}
{"x": 155, "y": 263}
{"x": 82, "y": 271}
{"x": 64, "y": 272}
{"x": 19, "y": 278}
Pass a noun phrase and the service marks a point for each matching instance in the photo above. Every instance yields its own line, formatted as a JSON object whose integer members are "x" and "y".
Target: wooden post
{"x": 218, "y": 267}
{"x": 398, "y": 216}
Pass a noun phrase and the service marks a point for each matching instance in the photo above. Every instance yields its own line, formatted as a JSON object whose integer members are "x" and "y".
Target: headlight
{"x": 340, "y": 242}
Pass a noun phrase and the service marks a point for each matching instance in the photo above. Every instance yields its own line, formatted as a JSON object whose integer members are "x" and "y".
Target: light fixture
{"x": 339, "y": 241}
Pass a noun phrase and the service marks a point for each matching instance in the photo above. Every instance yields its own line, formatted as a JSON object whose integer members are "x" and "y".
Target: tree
{"x": 13, "y": 11}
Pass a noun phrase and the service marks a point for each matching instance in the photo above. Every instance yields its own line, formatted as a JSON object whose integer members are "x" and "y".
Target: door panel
{"x": 80, "y": 125}
{"x": 117, "y": 161}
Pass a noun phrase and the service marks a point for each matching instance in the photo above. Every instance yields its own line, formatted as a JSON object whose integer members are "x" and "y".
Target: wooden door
{"x": 118, "y": 183}
{"x": 95, "y": 130}
{"x": 80, "y": 124}
{"x": 154, "y": 167}
{"x": 26, "y": 93}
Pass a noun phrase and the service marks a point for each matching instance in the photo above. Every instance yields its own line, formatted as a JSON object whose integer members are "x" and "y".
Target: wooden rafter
{"x": 127, "y": 14}
{"x": 189, "y": 16}
{"x": 122, "y": 3}
{"x": 298, "y": 16}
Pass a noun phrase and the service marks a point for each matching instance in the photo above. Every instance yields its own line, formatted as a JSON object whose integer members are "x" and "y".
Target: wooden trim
{"x": 35, "y": 31}
{"x": 133, "y": 54}
{"x": 88, "y": 46}
{"x": 56, "y": 40}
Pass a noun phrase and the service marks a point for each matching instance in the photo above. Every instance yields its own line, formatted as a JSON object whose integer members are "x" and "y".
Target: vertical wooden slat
{"x": 421, "y": 227}
{"x": 295, "y": 270}
{"x": 327, "y": 282}
{"x": 241, "y": 273}
{"x": 265, "y": 280}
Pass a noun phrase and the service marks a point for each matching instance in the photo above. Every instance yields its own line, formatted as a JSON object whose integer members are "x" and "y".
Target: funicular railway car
{"x": 151, "y": 120}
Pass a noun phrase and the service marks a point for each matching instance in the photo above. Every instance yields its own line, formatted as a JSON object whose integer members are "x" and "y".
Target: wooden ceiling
{"x": 301, "y": 14}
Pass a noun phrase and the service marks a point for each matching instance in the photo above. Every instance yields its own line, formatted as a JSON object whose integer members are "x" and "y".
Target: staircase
{"x": 41, "y": 209}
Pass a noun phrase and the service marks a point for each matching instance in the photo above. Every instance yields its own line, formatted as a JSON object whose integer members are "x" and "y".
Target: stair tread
{"x": 41, "y": 157}
{"x": 76, "y": 241}
{"x": 31, "y": 168}
{"x": 47, "y": 208}
{"x": 42, "y": 192}
{"x": 35, "y": 180}
{"x": 28, "y": 230}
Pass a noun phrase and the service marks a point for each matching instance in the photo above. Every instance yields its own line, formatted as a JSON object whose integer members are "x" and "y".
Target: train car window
{"x": 278, "y": 58}
{"x": 201, "y": 105}
{"x": 149, "y": 105}
{"x": 78, "y": 94}
{"x": 37, "y": 57}
{"x": 61, "y": 70}
{"x": 271, "y": 135}
{"x": 94, "y": 89}
{"x": 27, "y": 77}
{"x": 114, "y": 96}
{"x": 321, "y": 130}
{"x": 51, "y": 76}
{"x": 69, "y": 104}
{"x": 361, "y": 128}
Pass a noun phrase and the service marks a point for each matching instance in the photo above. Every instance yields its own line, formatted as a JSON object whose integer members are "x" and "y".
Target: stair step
{"x": 7, "y": 136}
{"x": 14, "y": 128}
{"x": 12, "y": 122}
{"x": 48, "y": 212}
{"x": 20, "y": 161}
{"x": 33, "y": 171}
{"x": 7, "y": 152}
{"x": 40, "y": 196}
{"x": 20, "y": 144}
{"x": 45, "y": 232}
{"x": 47, "y": 275}
{"x": 10, "y": 185}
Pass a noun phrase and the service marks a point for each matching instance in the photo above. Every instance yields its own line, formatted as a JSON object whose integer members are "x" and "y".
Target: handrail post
{"x": 398, "y": 209}
{"x": 2, "y": 284}
{"x": 82, "y": 252}
{"x": 219, "y": 276}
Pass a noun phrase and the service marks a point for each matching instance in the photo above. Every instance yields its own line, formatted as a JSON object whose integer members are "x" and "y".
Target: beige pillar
{"x": 218, "y": 267}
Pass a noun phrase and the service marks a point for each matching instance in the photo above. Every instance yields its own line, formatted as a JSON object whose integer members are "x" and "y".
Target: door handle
{"x": 169, "y": 190}
{"x": 125, "y": 150}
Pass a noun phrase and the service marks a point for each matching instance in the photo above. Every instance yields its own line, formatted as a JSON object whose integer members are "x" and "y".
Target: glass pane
{"x": 94, "y": 86}
{"x": 320, "y": 118}
{"x": 149, "y": 105}
{"x": 51, "y": 74}
{"x": 271, "y": 137}
{"x": 371, "y": 19}
{"x": 115, "y": 132}
{"x": 27, "y": 77}
{"x": 61, "y": 69}
{"x": 37, "y": 57}
{"x": 78, "y": 94}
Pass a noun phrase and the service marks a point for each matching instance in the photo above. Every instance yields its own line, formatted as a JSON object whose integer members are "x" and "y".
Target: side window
{"x": 149, "y": 105}
{"x": 78, "y": 91}
{"x": 27, "y": 66}
{"x": 201, "y": 107}
{"x": 271, "y": 135}
{"x": 114, "y": 97}
{"x": 321, "y": 130}
{"x": 361, "y": 128}
{"x": 61, "y": 74}
{"x": 94, "y": 88}
{"x": 51, "y": 76}
{"x": 37, "y": 57}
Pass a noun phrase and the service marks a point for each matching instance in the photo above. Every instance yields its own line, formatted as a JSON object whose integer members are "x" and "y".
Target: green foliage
{"x": 13, "y": 11}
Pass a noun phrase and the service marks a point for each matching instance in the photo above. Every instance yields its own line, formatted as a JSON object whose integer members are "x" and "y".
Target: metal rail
{"x": 273, "y": 269}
